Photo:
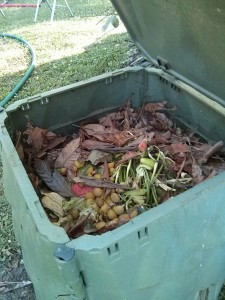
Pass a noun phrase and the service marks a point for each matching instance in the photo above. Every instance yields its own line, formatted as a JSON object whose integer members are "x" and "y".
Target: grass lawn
{"x": 68, "y": 50}
{"x": 62, "y": 47}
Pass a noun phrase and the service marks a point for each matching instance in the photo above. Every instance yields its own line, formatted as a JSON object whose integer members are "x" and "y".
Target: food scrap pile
{"x": 109, "y": 171}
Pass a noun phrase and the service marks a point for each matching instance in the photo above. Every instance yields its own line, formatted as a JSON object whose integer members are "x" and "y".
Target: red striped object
{"x": 17, "y": 5}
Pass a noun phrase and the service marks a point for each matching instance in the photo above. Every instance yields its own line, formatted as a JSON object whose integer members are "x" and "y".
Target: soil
{"x": 14, "y": 281}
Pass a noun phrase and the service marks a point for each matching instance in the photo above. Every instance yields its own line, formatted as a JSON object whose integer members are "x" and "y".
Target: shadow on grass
{"x": 98, "y": 58}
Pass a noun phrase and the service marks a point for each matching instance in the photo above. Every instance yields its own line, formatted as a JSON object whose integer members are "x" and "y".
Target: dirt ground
{"x": 14, "y": 281}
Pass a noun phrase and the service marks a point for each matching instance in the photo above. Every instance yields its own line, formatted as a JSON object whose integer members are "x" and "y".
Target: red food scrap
{"x": 79, "y": 190}
{"x": 143, "y": 145}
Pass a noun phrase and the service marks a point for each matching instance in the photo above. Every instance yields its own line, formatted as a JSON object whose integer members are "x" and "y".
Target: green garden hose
{"x": 28, "y": 72}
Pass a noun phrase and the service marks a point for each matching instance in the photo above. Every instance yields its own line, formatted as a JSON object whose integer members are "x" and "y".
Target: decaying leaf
{"x": 35, "y": 136}
{"x": 93, "y": 129}
{"x": 105, "y": 175}
{"x": 155, "y": 106}
{"x": 68, "y": 154}
{"x": 95, "y": 145}
{"x": 78, "y": 229}
{"x": 96, "y": 157}
{"x": 178, "y": 148}
{"x": 106, "y": 147}
{"x": 100, "y": 183}
{"x": 196, "y": 171}
{"x": 210, "y": 152}
{"x": 161, "y": 122}
{"x": 40, "y": 140}
{"x": 52, "y": 178}
{"x": 128, "y": 156}
{"x": 113, "y": 136}
{"x": 35, "y": 180}
{"x": 119, "y": 138}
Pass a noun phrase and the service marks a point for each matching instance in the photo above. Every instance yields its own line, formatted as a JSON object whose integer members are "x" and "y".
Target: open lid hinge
{"x": 162, "y": 63}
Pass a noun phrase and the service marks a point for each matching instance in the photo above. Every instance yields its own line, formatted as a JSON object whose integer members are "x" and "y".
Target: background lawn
{"x": 68, "y": 50}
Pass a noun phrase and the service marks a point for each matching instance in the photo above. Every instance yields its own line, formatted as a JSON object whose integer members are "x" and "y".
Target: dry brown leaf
{"x": 161, "y": 122}
{"x": 160, "y": 139}
{"x": 210, "y": 152}
{"x": 114, "y": 136}
{"x": 110, "y": 135}
{"x": 52, "y": 178}
{"x": 92, "y": 129}
{"x": 166, "y": 135}
{"x": 99, "y": 183}
{"x": 78, "y": 229}
{"x": 128, "y": 156}
{"x": 126, "y": 122}
{"x": 152, "y": 107}
{"x": 50, "y": 144}
{"x": 178, "y": 148}
{"x": 68, "y": 154}
{"x": 96, "y": 157}
{"x": 196, "y": 171}
{"x": 119, "y": 138}
{"x": 92, "y": 145}
{"x": 41, "y": 140}
{"x": 105, "y": 175}
{"x": 35, "y": 137}
{"x": 137, "y": 140}
{"x": 34, "y": 180}
{"x": 107, "y": 121}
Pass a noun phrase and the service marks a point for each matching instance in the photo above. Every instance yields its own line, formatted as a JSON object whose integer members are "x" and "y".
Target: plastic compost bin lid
{"x": 186, "y": 38}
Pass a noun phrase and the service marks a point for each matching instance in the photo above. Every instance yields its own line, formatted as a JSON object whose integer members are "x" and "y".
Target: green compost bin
{"x": 175, "y": 250}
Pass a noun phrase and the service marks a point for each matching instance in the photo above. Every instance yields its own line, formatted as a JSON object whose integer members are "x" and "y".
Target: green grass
{"x": 68, "y": 50}
{"x": 63, "y": 50}
{"x": 62, "y": 67}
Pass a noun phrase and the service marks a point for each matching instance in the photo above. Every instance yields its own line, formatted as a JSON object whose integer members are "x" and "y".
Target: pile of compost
{"x": 115, "y": 168}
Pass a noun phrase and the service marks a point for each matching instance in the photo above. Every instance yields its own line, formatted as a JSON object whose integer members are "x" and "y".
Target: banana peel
{"x": 54, "y": 202}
